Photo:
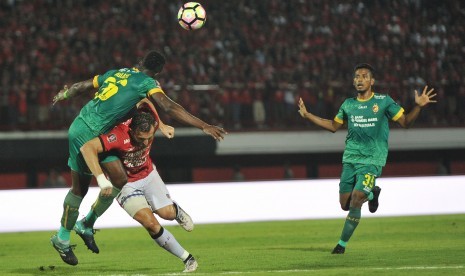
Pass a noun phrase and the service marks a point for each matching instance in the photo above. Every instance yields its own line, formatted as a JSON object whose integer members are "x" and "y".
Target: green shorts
{"x": 78, "y": 134}
{"x": 361, "y": 177}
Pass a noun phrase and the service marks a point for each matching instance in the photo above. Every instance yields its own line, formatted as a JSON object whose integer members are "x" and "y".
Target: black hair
{"x": 153, "y": 61}
{"x": 365, "y": 66}
{"x": 142, "y": 121}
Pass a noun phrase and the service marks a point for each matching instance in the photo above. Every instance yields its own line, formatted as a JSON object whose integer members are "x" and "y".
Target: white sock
{"x": 170, "y": 244}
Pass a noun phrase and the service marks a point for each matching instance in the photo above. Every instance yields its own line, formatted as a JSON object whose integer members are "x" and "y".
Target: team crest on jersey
{"x": 111, "y": 138}
{"x": 375, "y": 108}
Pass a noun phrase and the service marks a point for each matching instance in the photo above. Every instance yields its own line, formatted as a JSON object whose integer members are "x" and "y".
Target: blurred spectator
{"x": 237, "y": 174}
{"x": 290, "y": 104}
{"x": 236, "y": 109}
{"x": 54, "y": 180}
{"x": 248, "y": 47}
{"x": 258, "y": 109}
{"x": 288, "y": 172}
{"x": 443, "y": 167}
{"x": 13, "y": 110}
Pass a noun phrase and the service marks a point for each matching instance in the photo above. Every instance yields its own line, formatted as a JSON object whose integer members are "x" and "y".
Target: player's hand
{"x": 216, "y": 132}
{"x": 60, "y": 96}
{"x": 106, "y": 188}
{"x": 302, "y": 109}
{"x": 168, "y": 131}
{"x": 425, "y": 98}
{"x": 106, "y": 191}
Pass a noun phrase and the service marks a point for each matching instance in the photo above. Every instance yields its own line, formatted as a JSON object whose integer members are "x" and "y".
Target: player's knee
{"x": 345, "y": 205}
{"x": 79, "y": 191}
{"x": 344, "y": 201}
{"x": 168, "y": 212}
{"x": 147, "y": 220}
{"x": 153, "y": 227}
{"x": 357, "y": 200}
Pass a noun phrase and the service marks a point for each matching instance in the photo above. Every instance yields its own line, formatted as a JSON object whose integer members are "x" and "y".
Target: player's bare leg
{"x": 344, "y": 200}
{"x": 164, "y": 238}
{"x": 352, "y": 220}
{"x": 61, "y": 241}
{"x": 174, "y": 211}
{"x": 85, "y": 227}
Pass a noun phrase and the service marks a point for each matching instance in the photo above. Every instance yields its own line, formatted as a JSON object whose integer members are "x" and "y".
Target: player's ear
{"x": 372, "y": 81}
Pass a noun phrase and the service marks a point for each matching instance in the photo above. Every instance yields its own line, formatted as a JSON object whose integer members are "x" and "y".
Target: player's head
{"x": 365, "y": 66}
{"x": 153, "y": 62}
{"x": 142, "y": 128}
{"x": 363, "y": 77}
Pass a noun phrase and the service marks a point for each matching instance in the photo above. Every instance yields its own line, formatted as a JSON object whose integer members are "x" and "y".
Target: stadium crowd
{"x": 246, "y": 67}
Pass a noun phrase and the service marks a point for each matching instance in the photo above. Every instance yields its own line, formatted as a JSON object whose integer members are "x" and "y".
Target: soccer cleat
{"x": 339, "y": 249}
{"x": 373, "y": 204}
{"x": 65, "y": 251}
{"x": 190, "y": 264}
{"x": 184, "y": 219}
{"x": 87, "y": 235}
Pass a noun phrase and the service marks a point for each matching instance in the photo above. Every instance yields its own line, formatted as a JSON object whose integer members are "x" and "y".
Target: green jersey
{"x": 118, "y": 92}
{"x": 368, "y": 128}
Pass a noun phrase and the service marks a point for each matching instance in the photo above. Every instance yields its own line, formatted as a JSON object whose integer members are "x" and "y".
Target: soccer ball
{"x": 192, "y": 16}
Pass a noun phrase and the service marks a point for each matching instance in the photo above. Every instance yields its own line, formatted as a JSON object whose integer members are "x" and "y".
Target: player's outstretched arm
{"x": 76, "y": 89}
{"x": 406, "y": 121}
{"x": 177, "y": 112}
{"x": 166, "y": 130}
{"x": 90, "y": 151}
{"x": 330, "y": 125}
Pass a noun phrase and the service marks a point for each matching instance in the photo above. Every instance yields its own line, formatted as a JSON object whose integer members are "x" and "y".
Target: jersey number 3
{"x": 369, "y": 181}
{"x": 112, "y": 88}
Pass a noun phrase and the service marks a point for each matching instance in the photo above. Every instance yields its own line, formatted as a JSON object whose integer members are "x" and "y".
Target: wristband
{"x": 65, "y": 94}
{"x": 103, "y": 182}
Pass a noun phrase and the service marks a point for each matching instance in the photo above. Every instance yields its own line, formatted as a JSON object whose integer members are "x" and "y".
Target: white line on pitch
{"x": 322, "y": 270}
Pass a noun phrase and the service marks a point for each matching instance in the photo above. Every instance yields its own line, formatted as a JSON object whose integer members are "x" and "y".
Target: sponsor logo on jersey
{"x": 362, "y": 107}
{"x": 375, "y": 108}
{"x": 111, "y": 138}
{"x": 126, "y": 141}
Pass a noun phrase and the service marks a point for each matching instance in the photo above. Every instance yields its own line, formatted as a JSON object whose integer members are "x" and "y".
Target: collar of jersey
{"x": 135, "y": 69}
{"x": 360, "y": 100}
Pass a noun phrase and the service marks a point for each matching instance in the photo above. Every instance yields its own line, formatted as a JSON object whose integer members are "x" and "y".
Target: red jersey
{"x": 136, "y": 160}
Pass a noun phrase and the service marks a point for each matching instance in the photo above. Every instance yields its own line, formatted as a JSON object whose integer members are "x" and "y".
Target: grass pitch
{"x": 424, "y": 245}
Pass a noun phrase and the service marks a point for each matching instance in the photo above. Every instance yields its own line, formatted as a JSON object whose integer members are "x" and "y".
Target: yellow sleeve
{"x": 155, "y": 90}
{"x": 398, "y": 115}
{"x": 95, "y": 82}
{"x": 337, "y": 120}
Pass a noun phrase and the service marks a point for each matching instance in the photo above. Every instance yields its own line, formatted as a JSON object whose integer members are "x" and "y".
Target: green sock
{"x": 352, "y": 220}
{"x": 342, "y": 243}
{"x": 91, "y": 218}
{"x": 370, "y": 196}
{"x": 70, "y": 214}
{"x": 100, "y": 206}
{"x": 64, "y": 234}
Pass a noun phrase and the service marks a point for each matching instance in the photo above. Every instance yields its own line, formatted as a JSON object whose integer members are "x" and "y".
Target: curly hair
{"x": 142, "y": 121}
{"x": 154, "y": 61}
